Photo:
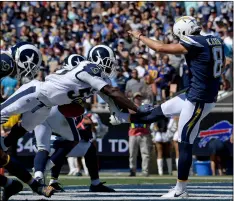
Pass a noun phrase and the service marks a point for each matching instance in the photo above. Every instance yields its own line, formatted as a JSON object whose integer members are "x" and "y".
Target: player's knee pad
{"x": 4, "y": 158}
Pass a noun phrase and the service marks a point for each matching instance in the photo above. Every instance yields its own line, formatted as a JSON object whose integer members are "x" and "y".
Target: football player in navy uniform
{"x": 205, "y": 58}
{"x": 18, "y": 61}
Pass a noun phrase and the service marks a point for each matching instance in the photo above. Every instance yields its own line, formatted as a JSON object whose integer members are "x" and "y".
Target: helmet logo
{"x": 78, "y": 61}
{"x": 99, "y": 59}
{"x": 5, "y": 66}
{"x": 30, "y": 59}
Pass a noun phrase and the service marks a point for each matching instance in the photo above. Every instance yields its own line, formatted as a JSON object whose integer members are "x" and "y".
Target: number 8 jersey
{"x": 205, "y": 59}
{"x": 73, "y": 85}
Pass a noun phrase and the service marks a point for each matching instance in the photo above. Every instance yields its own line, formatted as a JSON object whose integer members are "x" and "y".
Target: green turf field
{"x": 124, "y": 179}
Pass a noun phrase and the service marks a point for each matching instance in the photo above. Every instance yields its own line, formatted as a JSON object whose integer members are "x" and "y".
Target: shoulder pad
{"x": 92, "y": 69}
{"x": 189, "y": 40}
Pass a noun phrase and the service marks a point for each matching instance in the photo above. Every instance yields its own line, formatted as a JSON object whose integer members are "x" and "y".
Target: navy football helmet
{"x": 70, "y": 62}
{"x": 105, "y": 58}
{"x": 28, "y": 59}
{"x": 7, "y": 64}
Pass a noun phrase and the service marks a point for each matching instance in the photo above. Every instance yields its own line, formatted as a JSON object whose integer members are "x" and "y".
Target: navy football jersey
{"x": 205, "y": 59}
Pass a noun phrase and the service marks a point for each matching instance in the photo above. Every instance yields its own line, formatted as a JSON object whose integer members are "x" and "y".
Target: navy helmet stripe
{"x": 74, "y": 130}
{"x": 16, "y": 97}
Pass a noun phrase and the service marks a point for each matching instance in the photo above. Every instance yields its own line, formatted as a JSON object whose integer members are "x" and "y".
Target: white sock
{"x": 177, "y": 161}
{"x": 95, "y": 182}
{"x": 181, "y": 185}
{"x": 39, "y": 174}
{"x": 8, "y": 183}
{"x": 160, "y": 166}
{"x": 169, "y": 165}
{"x": 53, "y": 181}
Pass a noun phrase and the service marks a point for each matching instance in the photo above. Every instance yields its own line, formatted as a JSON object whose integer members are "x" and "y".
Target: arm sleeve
{"x": 188, "y": 42}
{"x": 95, "y": 82}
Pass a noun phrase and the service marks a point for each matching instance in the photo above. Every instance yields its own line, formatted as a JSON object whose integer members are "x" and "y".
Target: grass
{"x": 73, "y": 180}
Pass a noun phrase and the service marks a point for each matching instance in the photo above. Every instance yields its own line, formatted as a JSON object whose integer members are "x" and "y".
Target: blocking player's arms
{"x": 100, "y": 85}
{"x": 158, "y": 46}
{"x": 118, "y": 97}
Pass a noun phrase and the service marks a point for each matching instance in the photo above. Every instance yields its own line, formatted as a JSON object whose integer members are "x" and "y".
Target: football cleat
{"x": 100, "y": 188}
{"x": 42, "y": 189}
{"x": 57, "y": 187}
{"x": 174, "y": 193}
{"x": 14, "y": 188}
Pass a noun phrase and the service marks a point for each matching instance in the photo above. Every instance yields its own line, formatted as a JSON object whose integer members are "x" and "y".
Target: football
{"x": 71, "y": 110}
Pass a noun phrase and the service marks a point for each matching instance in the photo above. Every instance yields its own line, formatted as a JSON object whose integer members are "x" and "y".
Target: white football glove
{"x": 114, "y": 120}
{"x": 119, "y": 119}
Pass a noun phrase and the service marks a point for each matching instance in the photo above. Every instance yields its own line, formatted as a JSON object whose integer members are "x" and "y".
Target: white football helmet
{"x": 185, "y": 26}
{"x": 105, "y": 58}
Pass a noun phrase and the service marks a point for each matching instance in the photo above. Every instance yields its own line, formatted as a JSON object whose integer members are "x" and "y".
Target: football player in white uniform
{"x": 66, "y": 128}
{"x": 17, "y": 61}
{"x": 72, "y": 84}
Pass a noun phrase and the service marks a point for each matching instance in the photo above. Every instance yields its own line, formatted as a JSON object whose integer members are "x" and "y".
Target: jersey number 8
{"x": 218, "y": 61}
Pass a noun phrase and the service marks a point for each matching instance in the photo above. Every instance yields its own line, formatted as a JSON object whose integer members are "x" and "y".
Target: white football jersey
{"x": 76, "y": 85}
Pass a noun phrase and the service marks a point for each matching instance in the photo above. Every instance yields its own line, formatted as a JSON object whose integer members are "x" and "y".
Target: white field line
{"x": 126, "y": 193}
{"x": 203, "y": 187}
{"x": 68, "y": 198}
{"x": 147, "y": 178}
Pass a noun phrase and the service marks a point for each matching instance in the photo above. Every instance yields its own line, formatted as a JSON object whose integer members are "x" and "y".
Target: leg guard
{"x": 40, "y": 160}
{"x": 185, "y": 160}
{"x": 91, "y": 162}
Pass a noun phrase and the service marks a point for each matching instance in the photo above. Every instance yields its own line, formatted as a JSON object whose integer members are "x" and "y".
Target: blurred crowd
{"x": 63, "y": 28}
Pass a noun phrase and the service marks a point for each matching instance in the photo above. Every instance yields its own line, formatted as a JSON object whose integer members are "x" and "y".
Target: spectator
{"x": 142, "y": 64}
{"x": 205, "y": 10}
{"x": 8, "y": 86}
{"x": 218, "y": 154}
{"x": 133, "y": 85}
{"x": 162, "y": 144}
{"x": 139, "y": 137}
{"x": 81, "y": 25}
{"x": 166, "y": 73}
{"x": 132, "y": 61}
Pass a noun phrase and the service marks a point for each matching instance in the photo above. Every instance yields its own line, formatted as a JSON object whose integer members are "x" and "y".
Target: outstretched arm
{"x": 158, "y": 46}
{"x": 118, "y": 97}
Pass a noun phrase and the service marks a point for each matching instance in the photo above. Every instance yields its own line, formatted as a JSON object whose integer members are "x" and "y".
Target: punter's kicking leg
{"x": 190, "y": 116}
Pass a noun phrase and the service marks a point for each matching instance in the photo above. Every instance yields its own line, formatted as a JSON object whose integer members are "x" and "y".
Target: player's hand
{"x": 145, "y": 109}
{"x": 114, "y": 120}
{"x": 231, "y": 139}
{"x": 135, "y": 34}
